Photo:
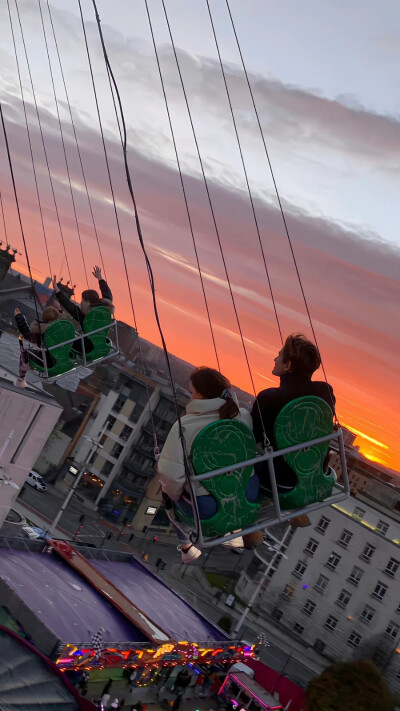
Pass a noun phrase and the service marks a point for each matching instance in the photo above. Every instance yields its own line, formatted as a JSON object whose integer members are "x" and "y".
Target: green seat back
{"x": 97, "y": 318}
{"x": 221, "y": 444}
{"x": 302, "y": 420}
{"x": 60, "y": 360}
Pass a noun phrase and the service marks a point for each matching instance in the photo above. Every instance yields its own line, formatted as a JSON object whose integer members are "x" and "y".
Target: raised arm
{"x": 103, "y": 286}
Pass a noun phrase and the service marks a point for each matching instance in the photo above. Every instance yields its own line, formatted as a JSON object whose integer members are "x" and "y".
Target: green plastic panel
{"x": 302, "y": 420}
{"x": 98, "y": 318}
{"x": 218, "y": 445}
{"x": 61, "y": 358}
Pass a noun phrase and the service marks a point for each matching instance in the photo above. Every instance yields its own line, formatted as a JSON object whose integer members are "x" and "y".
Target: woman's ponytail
{"x": 210, "y": 384}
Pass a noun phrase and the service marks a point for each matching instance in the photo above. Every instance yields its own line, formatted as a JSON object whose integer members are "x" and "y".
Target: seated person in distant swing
{"x": 34, "y": 334}
{"x": 90, "y": 299}
{"x": 211, "y": 400}
{"x": 295, "y": 364}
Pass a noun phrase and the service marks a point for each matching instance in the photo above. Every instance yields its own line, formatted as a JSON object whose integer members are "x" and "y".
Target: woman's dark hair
{"x": 210, "y": 383}
{"x": 302, "y": 354}
{"x": 91, "y": 296}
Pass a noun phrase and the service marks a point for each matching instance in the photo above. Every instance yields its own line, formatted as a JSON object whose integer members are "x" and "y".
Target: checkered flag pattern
{"x": 97, "y": 642}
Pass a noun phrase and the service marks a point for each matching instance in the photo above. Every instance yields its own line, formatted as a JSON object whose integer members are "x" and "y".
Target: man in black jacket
{"x": 90, "y": 298}
{"x": 294, "y": 365}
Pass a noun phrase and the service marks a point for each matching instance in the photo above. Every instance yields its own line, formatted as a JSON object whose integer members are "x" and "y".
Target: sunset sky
{"x": 325, "y": 76}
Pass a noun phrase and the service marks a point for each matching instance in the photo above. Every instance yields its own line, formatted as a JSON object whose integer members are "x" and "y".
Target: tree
{"x": 358, "y": 686}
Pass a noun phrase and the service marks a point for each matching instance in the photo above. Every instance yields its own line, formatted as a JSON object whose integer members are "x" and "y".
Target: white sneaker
{"x": 234, "y": 543}
{"x": 20, "y": 383}
{"x": 190, "y": 555}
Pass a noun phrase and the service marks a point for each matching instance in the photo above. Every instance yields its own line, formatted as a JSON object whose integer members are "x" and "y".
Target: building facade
{"x": 134, "y": 412}
{"x": 27, "y": 418}
{"x": 338, "y": 591}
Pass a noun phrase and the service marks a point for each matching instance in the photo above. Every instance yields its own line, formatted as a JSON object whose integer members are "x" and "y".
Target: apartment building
{"x": 338, "y": 591}
{"x": 132, "y": 407}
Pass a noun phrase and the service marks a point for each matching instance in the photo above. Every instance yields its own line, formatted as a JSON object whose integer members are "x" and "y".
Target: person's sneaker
{"x": 190, "y": 554}
{"x": 234, "y": 543}
{"x": 252, "y": 540}
{"x": 20, "y": 383}
{"x": 301, "y": 521}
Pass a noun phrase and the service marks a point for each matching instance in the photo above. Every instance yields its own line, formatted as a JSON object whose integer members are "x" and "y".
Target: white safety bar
{"x": 114, "y": 350}
{"x": 343, "y": 489}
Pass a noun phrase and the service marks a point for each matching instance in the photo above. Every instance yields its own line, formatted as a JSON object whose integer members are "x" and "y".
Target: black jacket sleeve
{"x": 264, "y": 415}
{"x": 105, "y": 290}
{"x": 69, "y": 306}
{"x": 23, "y": 327}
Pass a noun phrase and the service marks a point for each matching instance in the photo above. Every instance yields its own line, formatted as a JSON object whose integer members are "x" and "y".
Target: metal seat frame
{"x": 44, "y": 374}
{"x": 342, "y": 490}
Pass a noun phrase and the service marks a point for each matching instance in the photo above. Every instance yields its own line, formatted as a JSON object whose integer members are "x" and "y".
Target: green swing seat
{"x": 60, "y": 360}
{"x": 221, "y": 444}
{"x": 98, "y": 317}
{"x": 302, "y": 420}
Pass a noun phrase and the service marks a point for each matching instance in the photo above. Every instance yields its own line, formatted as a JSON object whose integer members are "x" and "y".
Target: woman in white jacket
{"x": 211, "y": 400}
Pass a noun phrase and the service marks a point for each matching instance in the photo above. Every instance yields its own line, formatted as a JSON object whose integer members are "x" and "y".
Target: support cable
{"x": 188, "y": 466}
{"x": 183, "y": 189}
{"x": 19, "y": 214}
{"x": 30, "y": 142}
{"x": 76, "y": 140}
{"x": 116, "y": 212}
{"x": 265, "y": 438}
{"x": 44, "y": 148}
{"x": 245, "y": 172}
{"x": 279, "y": 200}
{"x": 3, "y": 218}
{"x": 63, "y": 146}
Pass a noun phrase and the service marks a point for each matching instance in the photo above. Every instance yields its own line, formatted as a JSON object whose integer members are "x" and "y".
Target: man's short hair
{"x": 303, "y": 354}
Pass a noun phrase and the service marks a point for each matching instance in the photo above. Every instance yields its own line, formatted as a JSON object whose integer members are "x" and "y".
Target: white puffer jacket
{"x": 171, "y": 469}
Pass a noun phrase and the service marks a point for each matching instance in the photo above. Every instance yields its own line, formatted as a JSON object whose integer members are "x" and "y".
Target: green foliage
{"x": 225, "y": 623}
{"x": 354, "y": 686}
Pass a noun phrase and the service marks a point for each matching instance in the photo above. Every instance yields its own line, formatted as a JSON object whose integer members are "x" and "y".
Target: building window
{"x": 119, "y": 403}
{"x": 380, "y": 590}
{"x": 111, "y": 422}
{"x": 355, "y": 575}
{"x": 321, "y": 584}
{"x": 354, "y": 639}
{"x": 136, "y": 413}
{"x": 392, "y": 567}
{"x": 392, "y": 630}
{"x": 107, "y": 467}
{"x": 359, "y": 513}
{"x": 382, "y": 527}
{"x": 299, "y": 629}
{"x": 277, "y": 613}
{"x": 368, "y": 552}
{"x": 319, "y": 646}
{"x": 116, "y": 450}
{"x": 311, "y": 546}
{"x": 367, "y": 614}
{"x": 309, "y": 607}
{"x": 333, "y": 560}
{"x": 345, "y": 538}
{"x": 126, "y": 433}
{"x": 344, "y": 598}
{"x": 300, "y": 569}
{"x": 323, "y": 524}
{"x": 331, "y": 623}
{"x": 288, "y": 591}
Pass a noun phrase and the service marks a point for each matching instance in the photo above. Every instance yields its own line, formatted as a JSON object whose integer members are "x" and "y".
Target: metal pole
{"x": 95, "y": 445}
{"x": 249, "y": 605}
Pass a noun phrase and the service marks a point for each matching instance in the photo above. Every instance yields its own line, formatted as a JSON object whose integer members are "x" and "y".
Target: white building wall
{"x": 26, "y": 421}
{"x": 320, "y": 550}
